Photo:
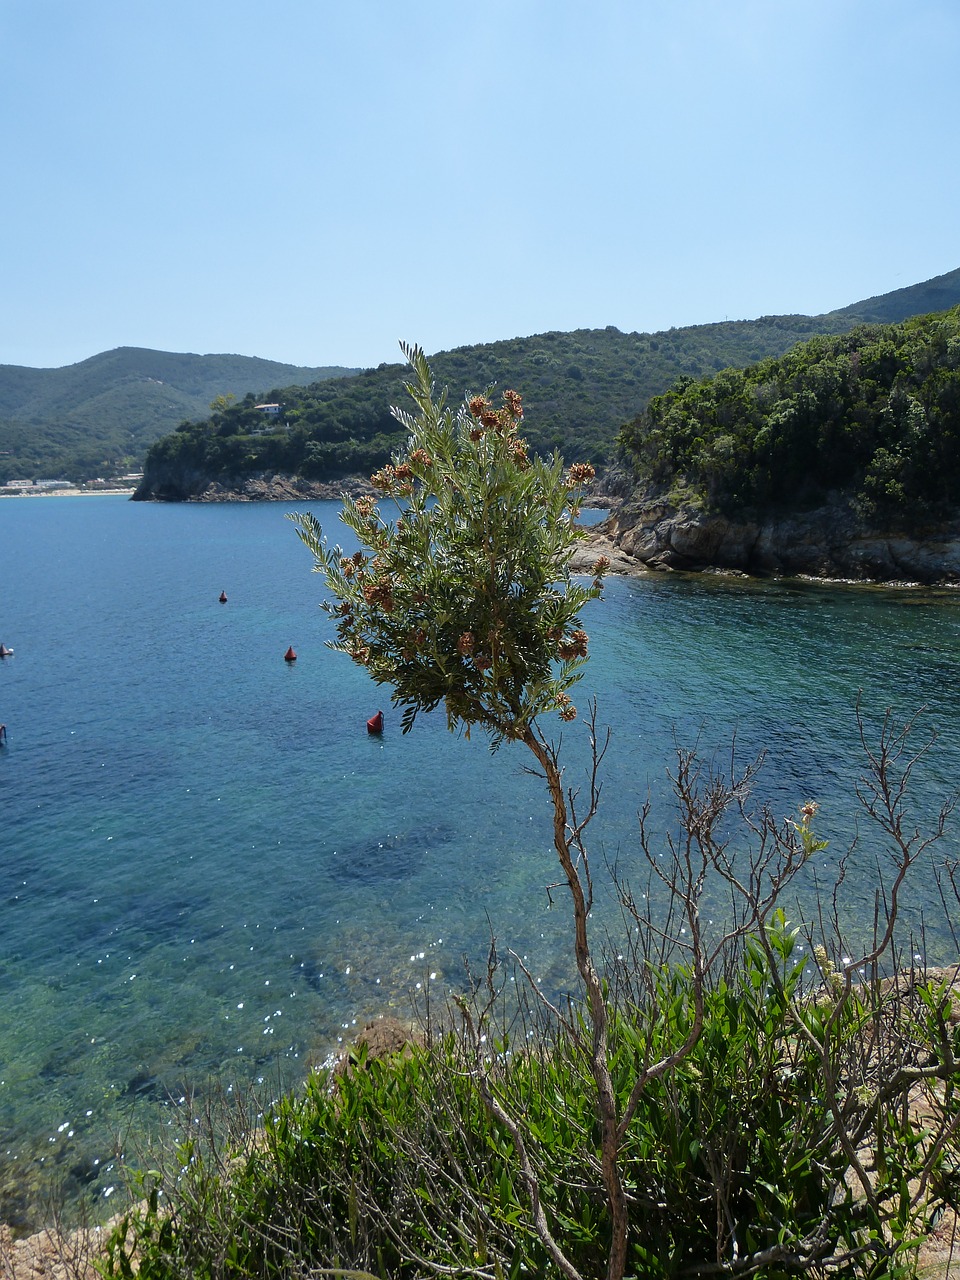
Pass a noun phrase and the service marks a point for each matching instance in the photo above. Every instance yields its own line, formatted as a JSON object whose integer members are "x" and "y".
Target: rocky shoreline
{"x": 650, "y": 532}
{"x": 263, "y": 488}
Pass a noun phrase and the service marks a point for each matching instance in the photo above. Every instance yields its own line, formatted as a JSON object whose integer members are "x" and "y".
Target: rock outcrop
{"x": 650, "y": 531}
{"x": 263, "y": 487}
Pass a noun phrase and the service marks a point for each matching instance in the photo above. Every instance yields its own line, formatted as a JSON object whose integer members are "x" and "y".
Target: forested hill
{"x": 939, "y": 294}
{"x": 873, "y": 413}
{"x": 99, "y": 416}
{"x": 579, "y": 388}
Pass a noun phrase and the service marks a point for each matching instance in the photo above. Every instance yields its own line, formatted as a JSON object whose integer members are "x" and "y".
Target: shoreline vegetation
{"x": 79, "y": 1253}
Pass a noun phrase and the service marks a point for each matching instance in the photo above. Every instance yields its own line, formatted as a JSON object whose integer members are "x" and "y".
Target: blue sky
{"x": 312, "y": 181}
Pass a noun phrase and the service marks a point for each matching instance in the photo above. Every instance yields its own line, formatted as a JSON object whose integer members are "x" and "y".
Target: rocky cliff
{"x": 650, "y": 531}
{"x": 264, "y": 487}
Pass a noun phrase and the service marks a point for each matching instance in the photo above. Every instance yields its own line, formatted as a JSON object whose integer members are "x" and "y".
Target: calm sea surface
{"x": 209, "y": 870}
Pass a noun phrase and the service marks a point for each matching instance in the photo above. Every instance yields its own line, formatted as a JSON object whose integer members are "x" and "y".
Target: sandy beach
{"x": 71, "y": 493}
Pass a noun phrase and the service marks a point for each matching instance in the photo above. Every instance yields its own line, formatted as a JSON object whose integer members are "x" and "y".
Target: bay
{"x": 209, "y": 871}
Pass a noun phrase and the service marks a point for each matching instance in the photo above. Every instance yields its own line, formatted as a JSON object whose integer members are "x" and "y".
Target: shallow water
{"x": 210, "y": 870}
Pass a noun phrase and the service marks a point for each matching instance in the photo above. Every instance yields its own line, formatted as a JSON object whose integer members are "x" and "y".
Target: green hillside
{"x": 874, "y": 412}
{"x": 578, "y": 389}
{"x": 99, "y": 416}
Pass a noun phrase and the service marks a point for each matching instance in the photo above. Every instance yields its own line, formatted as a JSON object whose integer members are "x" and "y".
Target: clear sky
{"x": 313, "y": 180}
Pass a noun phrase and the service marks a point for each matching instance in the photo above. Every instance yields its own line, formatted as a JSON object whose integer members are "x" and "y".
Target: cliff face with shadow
{"x": 649, "y": 531}
{"x": 183, "y": 485}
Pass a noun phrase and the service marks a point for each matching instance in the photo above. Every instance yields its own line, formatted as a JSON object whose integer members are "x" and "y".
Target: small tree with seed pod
{"x": 465, "y": 599}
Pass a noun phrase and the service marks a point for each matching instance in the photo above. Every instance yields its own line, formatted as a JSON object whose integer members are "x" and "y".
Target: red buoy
{"x": 290, "y": 656}
{"x": 223, "y": 597}
{"x": 375, "y": 723}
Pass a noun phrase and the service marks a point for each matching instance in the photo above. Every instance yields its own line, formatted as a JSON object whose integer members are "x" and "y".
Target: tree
{"x": 466, "y": 598}
{"x": 220, "y": 404}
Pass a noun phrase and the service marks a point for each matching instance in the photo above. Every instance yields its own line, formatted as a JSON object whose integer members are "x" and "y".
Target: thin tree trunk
{"x": 597, "y": 1007}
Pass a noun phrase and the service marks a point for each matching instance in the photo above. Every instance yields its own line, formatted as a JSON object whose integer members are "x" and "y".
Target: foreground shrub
{"x": 787, "y": 1140}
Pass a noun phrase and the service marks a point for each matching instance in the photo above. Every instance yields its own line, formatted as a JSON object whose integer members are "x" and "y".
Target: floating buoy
{"x": 290, "y": 656}
{"x": 375, "y": 723}
{"x": 223, "y": 597}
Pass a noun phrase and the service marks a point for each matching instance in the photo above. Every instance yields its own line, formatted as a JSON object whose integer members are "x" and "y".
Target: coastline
{"x": 622, "y": 564}
{"x": 73, "y": 493}
{"x": 651, "y": 538}
{"x": 655, "y": 531}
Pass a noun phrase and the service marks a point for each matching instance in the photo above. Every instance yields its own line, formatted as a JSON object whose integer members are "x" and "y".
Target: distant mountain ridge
{"x": 102, "y": 414}
{"x": 939, "y": 294}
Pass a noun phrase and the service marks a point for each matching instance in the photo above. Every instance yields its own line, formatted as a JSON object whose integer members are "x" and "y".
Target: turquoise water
{"x": 209, "y": 870}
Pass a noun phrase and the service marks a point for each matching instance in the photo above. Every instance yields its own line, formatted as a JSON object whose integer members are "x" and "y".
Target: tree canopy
{"x": 875, "y": 412}
{"x": 462, "y": 596}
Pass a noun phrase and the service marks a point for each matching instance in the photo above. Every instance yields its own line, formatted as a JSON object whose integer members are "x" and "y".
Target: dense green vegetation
{"x": 579, "y": 388}
{"x": 399, "y": 1168}
{"x": 97, "y": 418}
{"x": 875, "y": 412}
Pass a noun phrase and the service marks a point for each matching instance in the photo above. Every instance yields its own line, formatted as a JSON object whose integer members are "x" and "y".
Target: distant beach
{"x": 70, "y": 493}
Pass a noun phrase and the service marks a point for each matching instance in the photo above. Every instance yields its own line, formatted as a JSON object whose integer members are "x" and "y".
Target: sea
{"x": 211, "y": 876}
